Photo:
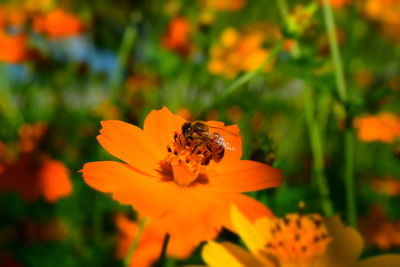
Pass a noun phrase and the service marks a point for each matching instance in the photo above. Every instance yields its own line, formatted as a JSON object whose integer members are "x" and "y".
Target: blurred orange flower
{"x": 234, "y": 113}
{"x": 12, "y": 15}
{"x": 32, "y": 177}
{"x": 58, "y": 23}
{"x": 107, "y": 110}
{"x": 296, "y": 240}
{"x": 173, "y": 183}
{"x": 222, "y": 5}
{"x": 379, "y": 230}
{"x": 384, "y": 127}
{"x": 34, "y": 173}
{"x": 339, "y": 3}
{"x": 150, "y": 243}
{"x": 13, "y": 48}
{"x": 238, "y": 52}
{"x": 185, "y": 113}
{"x": 38, "y": 6}
{"x": 386, "y": 13}
{"x": 386, "y": 186}
{"x": 176, "y": 37}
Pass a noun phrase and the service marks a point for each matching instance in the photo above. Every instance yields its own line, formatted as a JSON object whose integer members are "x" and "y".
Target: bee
{"x": 199, "y": 137}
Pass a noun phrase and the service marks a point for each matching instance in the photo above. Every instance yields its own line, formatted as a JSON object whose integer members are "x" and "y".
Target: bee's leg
{"x": 196, "y": 149}
{"x": 181, "y": 141}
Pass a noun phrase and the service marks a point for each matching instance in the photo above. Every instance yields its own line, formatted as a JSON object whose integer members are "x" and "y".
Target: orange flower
{"x": 34, "y": 174}
{"x": 150, "y": 243}
{"x": 387, "y": 14}
{"x": 174, "y": 183}
{"x": 12, "y": 15}
{"x": 379, "y": 230}
{"x": 35, "y": 6}
{"x": 177, "y": 36}
{"x": 386, "y": 186}
{"x": 185, "y": 113}
{"x": 58, "y": 23}
{"x": 32, "y": 177}
{"x": 238, "y": 52}
{"x": 229, "y": 5}
{"x": 339, "y": 3}
{"x": 384, "y": 127}
{"x": 13, "y": 48}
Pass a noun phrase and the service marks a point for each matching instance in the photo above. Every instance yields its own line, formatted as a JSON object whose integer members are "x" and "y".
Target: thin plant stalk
{"x": 343, "y": 95}
{"x": 127, "y": 43}
{"x": 135, "y": 242}
{"x": 283, "y": 9}
{"x": 236, "y": 84}
{"x": 315, "y": 133}
{"x": 249, "y": 75}
{"x": 163, "y": 256}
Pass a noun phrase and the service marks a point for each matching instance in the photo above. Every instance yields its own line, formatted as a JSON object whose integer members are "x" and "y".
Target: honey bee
{"x": 200, "y": 139}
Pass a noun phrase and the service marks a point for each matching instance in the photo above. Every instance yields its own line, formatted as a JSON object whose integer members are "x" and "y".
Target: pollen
{"x": 297, "y": 239}
{"x": 185, "y": 161}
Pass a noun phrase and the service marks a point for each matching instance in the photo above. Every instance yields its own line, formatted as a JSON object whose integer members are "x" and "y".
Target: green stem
{"x": 318, "y": 154}
{"x": 343, "y": 94}
{"x": 163, "y": 256}
{"x": 334, "y": 47}
{"x": 135, "y": 242}
{"x": 283, "y": 9}
{"x": 124, "y": 50}
{"x": 349, "y": 180}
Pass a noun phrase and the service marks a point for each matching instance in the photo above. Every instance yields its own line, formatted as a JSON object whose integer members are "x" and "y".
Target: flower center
{"x": 186, "y": 159}
{"x": 297, "y": 240}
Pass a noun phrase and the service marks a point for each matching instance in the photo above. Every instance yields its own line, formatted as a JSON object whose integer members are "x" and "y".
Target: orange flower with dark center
{"x": 13, "y": 48}
{"x": 182, "y": 185}
{"x": 150, "y": 244}
{"x": 58, "y": 23}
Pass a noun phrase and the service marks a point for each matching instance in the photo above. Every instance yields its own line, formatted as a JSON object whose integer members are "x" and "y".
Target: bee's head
{"x": 186, "y": 128}
{"x": 199, "y": 128}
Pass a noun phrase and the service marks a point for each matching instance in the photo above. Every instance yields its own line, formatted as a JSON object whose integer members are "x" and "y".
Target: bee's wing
{"x": 222, "y": 131}
{"x": 219, "y": 139}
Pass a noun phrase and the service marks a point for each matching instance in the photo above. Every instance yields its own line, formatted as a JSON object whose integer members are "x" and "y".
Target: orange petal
{"x": 198, "y": 215}
{"x": 244, "y": 176}
{"x": 130, "y": 144}
{"x": 161, "y": 125}
{"x": 148, "y": 195}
